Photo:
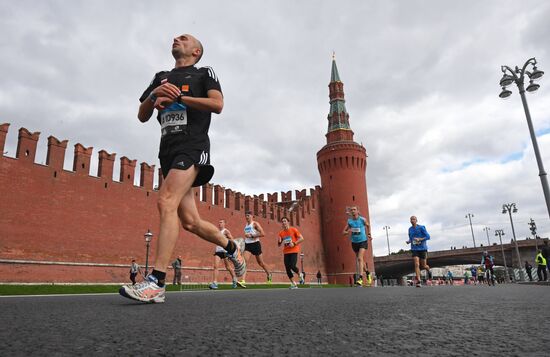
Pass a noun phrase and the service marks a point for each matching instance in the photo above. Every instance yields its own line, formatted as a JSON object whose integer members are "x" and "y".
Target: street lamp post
{"x": 487, "y": 229}
{"x": 148, "y": 237}
{"x": 386, "y": 228}
{"x": 511, "y": 207}
{"x": 517, "y": 76}
{"x": 500, "y": 233}
{"x": 469, "y": 216}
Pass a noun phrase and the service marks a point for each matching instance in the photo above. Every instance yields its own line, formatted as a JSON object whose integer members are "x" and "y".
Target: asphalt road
{"x": 509, "y": 320}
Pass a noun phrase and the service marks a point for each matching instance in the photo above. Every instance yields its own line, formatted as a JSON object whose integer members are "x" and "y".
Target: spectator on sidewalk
{"x": 176, "y": 264}
{"x": 541, "y": 266}
{"x": 134, "y": 271}
{"x": 546, "y": 251}
{"x": 319, "y": 277}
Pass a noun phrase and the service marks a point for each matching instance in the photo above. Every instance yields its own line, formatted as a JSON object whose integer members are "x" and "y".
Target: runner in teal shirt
{"x": 358, "y": 227}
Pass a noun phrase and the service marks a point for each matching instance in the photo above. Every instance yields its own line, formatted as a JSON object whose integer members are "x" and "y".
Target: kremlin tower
{"x": 342, "y": 165}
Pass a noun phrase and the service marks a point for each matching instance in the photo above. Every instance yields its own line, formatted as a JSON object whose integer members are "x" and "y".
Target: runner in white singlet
{"x": 252, "y": 233}
{"x": 220, "y": 254}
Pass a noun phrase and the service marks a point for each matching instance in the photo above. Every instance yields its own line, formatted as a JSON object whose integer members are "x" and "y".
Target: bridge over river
{"x": 398, "y": 265}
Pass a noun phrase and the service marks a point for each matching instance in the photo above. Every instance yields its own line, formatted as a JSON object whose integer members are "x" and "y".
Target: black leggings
{"x": 290, "y": 264}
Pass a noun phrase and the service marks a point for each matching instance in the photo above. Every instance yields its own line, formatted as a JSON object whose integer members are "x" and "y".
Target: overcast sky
{"x": 420, "y": 79}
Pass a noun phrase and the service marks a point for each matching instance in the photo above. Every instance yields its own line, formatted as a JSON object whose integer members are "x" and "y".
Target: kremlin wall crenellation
{"x": 53, "y": 215}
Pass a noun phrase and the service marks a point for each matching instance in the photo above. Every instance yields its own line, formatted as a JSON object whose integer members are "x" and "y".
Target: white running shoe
{"x": 292, "y": 287}
{"x": 237, "y": 258}
{"x": 146, "y": 291}
{"x": 213, "y": 286}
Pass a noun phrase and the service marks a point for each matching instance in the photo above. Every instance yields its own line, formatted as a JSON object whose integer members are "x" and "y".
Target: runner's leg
{"x": 361, "y": 261}
{"x": 417, "y": 268}
{"x": 215, "y": 272}
{"x": 261, "y": 263}
{"x": 172, "y": 192}
{"x": 246, "y": 258}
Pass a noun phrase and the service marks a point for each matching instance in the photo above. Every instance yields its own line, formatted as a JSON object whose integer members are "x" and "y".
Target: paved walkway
{"x": 508, "y": 320}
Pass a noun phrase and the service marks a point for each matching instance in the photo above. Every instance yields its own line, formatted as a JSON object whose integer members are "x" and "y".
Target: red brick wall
{"x": 51, "y": 214}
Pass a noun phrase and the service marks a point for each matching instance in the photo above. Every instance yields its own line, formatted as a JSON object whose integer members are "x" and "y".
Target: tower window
{"x": 353, "y": 198}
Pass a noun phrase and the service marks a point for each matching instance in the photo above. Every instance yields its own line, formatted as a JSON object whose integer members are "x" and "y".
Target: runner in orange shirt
{"x": 291, "y": 239}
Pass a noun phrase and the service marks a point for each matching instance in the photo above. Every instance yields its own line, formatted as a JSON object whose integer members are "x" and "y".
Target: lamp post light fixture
{"x": 387, "y": 228}
{"x": 533, "y": 228}
{"x": 487, "y": 229}
{"x": 500, "y": 233}
{"x": 469, "y": 216}
{"x": 148, "y": 237}
{"x": 517, "y": 76}
{"x": 511, "y": 208}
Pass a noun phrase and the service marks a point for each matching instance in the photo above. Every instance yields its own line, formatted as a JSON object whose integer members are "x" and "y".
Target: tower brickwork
{"x": 342, "y": 165}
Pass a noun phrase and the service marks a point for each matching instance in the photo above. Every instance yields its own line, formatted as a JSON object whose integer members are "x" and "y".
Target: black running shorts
{"x": 422, "y": 254}
{"x": 185, "y": 159}
{"x": 254, "y": 248}
{"x": 357, "y": 246}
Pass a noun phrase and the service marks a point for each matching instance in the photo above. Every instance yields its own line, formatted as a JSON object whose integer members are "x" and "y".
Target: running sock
{"x": 161, "y": 277}
{"x": 230, "y": 247}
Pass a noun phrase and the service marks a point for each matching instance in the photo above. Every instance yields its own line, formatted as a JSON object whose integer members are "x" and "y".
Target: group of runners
{"x": 289, "y": 237}
{"x": 185, "y": 98}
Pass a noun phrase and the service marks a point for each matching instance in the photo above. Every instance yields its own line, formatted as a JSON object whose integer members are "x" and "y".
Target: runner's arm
{"x": 426, "y": 234}
{"x": 260, "y": 230}
{"x": 228, "y": 234}
{"x": 167, "y": 91}
{"x": 346, "y": 229}
{"x": 300, "y": 240}
{"x": 212, "y": 103}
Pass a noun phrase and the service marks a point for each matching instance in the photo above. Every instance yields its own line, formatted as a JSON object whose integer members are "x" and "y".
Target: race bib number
{"x": 173, "y": 120}
{"x": 287, "y": 241}
{"x": 355, "y": 231}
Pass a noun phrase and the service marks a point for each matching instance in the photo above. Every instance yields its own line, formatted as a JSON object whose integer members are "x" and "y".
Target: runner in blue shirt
{"x": 418, "y": 235}
{"x": 360, "y": 231}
